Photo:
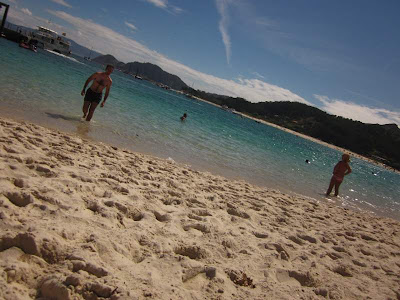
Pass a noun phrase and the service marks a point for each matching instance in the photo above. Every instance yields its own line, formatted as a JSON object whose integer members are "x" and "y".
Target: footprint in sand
{"x": 162, "y": 217}
{"x": 193, "y": 252}
{"x": 235, "y": 212}
{"x": 200, "y": 227}
{"x": 19, "y": 199}
{"x": 295, "y": 278}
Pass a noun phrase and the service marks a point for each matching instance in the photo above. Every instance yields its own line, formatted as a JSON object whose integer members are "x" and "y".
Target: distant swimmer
{"x": 307, "y": 161}
{"x": 183, "y": 118}
{"x": 94, "y": 94}
{"x": 341, "y": 169}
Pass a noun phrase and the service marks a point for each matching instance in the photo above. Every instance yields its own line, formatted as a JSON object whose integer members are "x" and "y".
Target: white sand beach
{"x": 86, "y": 220}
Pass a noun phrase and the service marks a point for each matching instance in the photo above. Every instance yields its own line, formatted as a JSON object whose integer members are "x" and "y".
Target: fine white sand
{"x": 84, "y": 220}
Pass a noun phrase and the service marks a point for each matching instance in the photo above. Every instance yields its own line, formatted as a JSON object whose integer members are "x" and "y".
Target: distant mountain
{"x": 145, "y": 70}
{"x": 82, "y": 51}
{"x": 108, "y": 59}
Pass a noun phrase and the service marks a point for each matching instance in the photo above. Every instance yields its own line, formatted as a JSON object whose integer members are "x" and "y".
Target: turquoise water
{"x": 45, "y": 88}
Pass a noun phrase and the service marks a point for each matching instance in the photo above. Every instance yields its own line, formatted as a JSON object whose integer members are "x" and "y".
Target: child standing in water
{"x": 341, "y": 169}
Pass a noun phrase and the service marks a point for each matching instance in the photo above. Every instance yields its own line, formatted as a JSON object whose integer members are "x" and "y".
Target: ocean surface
{"x": 44, "y": 88}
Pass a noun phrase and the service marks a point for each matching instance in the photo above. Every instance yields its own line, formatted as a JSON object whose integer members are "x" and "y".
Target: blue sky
{"x": 340, "y": 56}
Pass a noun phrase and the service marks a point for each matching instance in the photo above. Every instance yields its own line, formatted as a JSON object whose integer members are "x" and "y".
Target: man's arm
{"x": 87, "y": 82}
{"x": 108, "y": 87}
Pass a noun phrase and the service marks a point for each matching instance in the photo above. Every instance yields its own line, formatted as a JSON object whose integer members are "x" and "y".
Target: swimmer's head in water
{"x": 346, "y": 157}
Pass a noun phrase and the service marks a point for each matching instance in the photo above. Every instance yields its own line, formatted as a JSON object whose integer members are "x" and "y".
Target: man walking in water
{"x": 94, "y": 94}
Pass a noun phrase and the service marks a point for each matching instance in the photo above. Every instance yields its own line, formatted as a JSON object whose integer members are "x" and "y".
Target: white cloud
{"x": 62, "y": 2}
{"x": 222, "y": 6}
{"x": 131, "y": 26}
{"x": 104, "y": 39}
{"x": 26, "y": 11}
{"x": 258, "y": 75}
{"x": 176, "y": 9}
{"x": 358, "y": 112}
{"x": 164, "y": 5}
{"x": 266, "y": 23}
{"x": 19, "y": 17}
{"x": 159, "y": 3}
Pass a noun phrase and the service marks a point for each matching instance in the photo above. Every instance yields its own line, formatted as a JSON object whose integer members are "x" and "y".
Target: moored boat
{"x": 50, "y": 40}
{"x": 28, "y": 46}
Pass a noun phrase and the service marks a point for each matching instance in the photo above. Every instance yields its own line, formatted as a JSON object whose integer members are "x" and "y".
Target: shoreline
{"x": 85, "y": 219}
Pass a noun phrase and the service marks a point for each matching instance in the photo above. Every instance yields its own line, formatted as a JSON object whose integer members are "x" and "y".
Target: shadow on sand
{"x": 83, "y": 128}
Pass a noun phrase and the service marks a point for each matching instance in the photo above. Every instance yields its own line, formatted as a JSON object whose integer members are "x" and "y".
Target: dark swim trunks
{"x": 93, "y": 96}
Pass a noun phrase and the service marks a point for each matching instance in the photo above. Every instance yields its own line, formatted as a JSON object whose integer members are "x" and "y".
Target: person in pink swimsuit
{"x": 341, "y": 169}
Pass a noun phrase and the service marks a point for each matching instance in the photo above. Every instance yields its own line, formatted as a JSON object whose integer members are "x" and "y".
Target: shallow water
{"x": 44, "y": 88}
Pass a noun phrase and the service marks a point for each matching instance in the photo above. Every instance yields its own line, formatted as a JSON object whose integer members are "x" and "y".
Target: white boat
{"x": 50, "y": 40}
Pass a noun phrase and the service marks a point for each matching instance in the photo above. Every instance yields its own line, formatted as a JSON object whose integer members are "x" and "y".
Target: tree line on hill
{"x": 378, "y": 142}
